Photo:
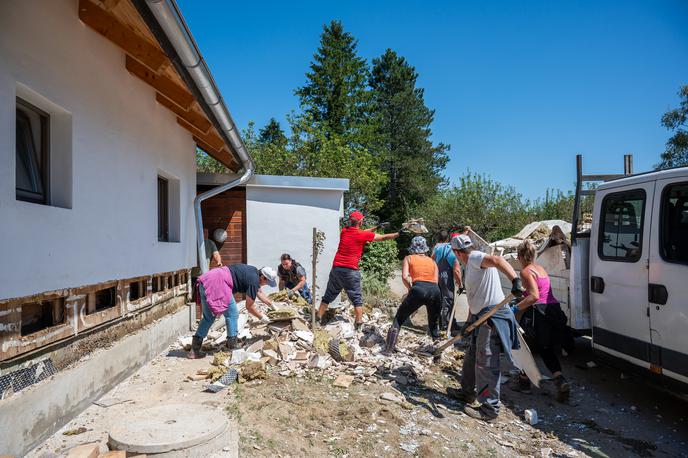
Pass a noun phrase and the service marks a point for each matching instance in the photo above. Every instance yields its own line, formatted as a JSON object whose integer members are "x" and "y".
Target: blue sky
{"x": 519, "y": 87}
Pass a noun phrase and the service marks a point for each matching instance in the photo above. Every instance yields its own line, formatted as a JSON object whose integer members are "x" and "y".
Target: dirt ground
{"x": 608, "y": 414}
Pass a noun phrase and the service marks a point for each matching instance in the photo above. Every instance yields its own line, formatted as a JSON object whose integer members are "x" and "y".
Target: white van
{"x": 636, "y": 258}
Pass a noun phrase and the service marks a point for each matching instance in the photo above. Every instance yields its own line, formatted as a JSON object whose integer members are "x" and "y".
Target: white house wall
{"x": 281, "y": 220}
{"x": 121, "y": 139}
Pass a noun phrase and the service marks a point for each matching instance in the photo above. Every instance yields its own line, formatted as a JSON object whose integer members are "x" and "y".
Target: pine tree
{"x": 272, "y": 133}
{"x": 335, "y": 97}
{"x": 413, "y": 163}
{"x": 332, "y": 135}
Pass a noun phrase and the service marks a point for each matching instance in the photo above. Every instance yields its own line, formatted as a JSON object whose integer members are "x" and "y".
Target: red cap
{"x": 455, "y": 234}
{"x": 356, "y": 216}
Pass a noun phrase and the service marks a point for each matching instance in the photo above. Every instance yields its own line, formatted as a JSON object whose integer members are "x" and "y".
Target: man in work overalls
{"x": 480, "y": 377}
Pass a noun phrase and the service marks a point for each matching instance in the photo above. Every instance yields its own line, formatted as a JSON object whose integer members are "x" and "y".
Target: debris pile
{"x": 288, "y": 347}
{"x": 539, "y": 232}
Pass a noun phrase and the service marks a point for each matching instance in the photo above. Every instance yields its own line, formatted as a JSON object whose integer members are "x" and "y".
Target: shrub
{"x": 377, "y": 267}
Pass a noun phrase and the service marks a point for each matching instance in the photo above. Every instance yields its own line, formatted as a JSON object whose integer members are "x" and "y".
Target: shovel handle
{"x": 438, "y": 351}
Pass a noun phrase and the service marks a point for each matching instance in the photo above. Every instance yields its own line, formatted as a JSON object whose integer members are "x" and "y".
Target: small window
{"x": 163, "y": 210}
{"x": 673, "y": 230}
{"x": 36, "y": 316}
{"x": 621, "y": 226}
{"x": 136, "y": 291}
{"x": 106, "y": 298}
{"x": 32, "y": 156}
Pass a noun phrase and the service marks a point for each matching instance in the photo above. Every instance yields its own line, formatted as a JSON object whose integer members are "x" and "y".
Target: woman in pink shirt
{"x": 544, "y": 311}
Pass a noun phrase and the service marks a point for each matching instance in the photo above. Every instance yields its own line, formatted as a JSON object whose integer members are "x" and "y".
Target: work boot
{"x": 195, "y": 352}
{"x": 231, "y": 343}
{"x": 391, "y": 342}
{"x": 358, "y": 325}
{"x": 520, "y": 384}
{"x": 461, "y": 395}
{"x": 563, "y": 388}
{"x": 479, "y": 414}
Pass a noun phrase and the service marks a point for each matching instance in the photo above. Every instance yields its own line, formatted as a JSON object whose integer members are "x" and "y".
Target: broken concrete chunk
{"x": 298, "y": 325}
{"x": 318, "y": 361}
{"x": 256, "y": 346}
{"x": 273, "y": 357}
{"x": 85, "y": 451}
{"x": 343, "y": 381}
{"x": 301, "y": 355}
{"x": 306, "y": 336}
{"x": 197, "y": 377}
{"x": 286, "y": 350}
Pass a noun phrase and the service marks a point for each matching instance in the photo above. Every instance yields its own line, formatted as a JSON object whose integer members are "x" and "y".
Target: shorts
{"x": 349, "y": 280}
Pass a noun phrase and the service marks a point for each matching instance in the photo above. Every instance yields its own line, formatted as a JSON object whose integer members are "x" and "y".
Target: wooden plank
{"x": 211, "y": 138}
{"x": 192, "y": 117}
{"x": 176, "y": 93}
{"x": 108, "y": 26}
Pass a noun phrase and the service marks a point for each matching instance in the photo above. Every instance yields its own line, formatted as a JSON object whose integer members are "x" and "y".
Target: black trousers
{"x": 550, "y": 331}
{"x": 422, "y": 293}
{"x": 446, "y": 286}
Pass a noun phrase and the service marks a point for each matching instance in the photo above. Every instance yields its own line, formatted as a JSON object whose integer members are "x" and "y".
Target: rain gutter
{"x": 167, "y": 23}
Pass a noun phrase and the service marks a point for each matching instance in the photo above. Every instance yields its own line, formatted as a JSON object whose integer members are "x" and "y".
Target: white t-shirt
{"x": 483, "y": 287}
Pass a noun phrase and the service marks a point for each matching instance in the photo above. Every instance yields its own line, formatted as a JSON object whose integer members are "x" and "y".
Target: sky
{"x": 518, "y": 87}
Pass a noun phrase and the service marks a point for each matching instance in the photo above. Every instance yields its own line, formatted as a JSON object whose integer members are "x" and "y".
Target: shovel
{"x": 437, "y": 352}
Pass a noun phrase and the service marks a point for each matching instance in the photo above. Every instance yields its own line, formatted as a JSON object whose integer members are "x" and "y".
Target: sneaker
{"x": 358, "y": 325}
{"x": 479, "y": 414}
{"x": 461, "y": 395}
{"x": 520, "y": 384}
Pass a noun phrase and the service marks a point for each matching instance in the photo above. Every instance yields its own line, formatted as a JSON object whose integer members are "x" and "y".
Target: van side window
{"x": 673, "y": 226}
{"x": 621, "y": 226}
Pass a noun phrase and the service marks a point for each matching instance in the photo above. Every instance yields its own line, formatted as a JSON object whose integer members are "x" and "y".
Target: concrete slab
{"x": 166, "y": 428}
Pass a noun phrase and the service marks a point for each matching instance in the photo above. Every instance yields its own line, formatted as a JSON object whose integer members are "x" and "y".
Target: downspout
{"x": 170, "y": 20}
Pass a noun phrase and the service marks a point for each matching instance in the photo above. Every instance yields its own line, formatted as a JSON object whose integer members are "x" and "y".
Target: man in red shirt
{"x": 345, "y": 274}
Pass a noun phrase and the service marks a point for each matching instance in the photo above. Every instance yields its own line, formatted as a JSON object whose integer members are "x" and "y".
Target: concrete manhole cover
{"x": 166, "y": 428}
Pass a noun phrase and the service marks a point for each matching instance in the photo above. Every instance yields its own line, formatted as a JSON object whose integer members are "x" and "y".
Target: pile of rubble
{"x": 289, "y": 347}
{"x": 539, "y": 232}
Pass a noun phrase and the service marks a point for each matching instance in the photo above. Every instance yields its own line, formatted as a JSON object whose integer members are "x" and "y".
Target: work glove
{"x": 383, "y": 225}
{"x": 515, "y": 309}
{"x": 291, "y": 294}
{"x": 516, "y": 288}
{"x": 265, "y": 319}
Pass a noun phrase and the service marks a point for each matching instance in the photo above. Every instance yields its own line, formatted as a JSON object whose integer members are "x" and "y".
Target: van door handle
{"x": 657, "y": 294}
{"x": 597, "y": 284}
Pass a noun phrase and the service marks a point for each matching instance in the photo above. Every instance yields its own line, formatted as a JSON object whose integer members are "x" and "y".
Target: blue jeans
{"x": 304, "y": 291}
{"x": 231, "y": 317}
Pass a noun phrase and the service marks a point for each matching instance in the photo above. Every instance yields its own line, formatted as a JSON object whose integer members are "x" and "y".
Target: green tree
{"x": 331, "y": 137}
{"x": 323, "y": 154}
{"x": 269, "y": 150}
{"x": 676, "y": 153}
{"x": 335, "y": 97}
{"x": 272, "y": 134}
{"x": 493, "y": 210}
{"x": 412, "y": 162}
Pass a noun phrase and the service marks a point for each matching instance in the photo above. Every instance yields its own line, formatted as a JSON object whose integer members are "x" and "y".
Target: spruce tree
{"x": 412, "y": 162}
{"x": 272, "y": 133}
{"x": 335, "y": 97}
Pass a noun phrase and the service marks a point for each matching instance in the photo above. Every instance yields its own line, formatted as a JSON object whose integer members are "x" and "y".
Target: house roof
{"x": 149, "y": 56}
{"x": 275, "y": 181}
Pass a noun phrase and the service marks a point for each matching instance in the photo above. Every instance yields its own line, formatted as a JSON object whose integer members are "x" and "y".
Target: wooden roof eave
{"x": 120, "y": 22}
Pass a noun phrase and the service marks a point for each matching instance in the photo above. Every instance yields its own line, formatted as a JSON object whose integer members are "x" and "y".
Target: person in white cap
{"x": 216, "y": 289}
{"x": 480, "y": 377}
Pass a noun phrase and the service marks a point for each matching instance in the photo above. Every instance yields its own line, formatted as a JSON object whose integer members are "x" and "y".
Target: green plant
{"x": 377, "y": 267}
